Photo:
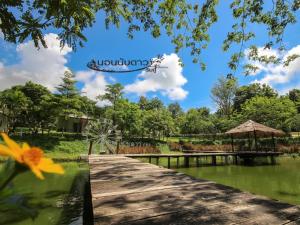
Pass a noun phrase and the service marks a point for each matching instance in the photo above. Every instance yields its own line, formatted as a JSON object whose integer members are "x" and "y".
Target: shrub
{"x": 138, "y": 150}
{"x": 173, "y": 146}
{"x": 201, "y": 148}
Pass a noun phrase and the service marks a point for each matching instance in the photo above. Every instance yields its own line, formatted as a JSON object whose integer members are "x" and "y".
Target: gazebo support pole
{"x": 249, "y": 141}
{"x": 274, "y": 145}
{"x": 232, "y": 147}
{"x": 255, "y": 140}
{"x": 90, "y": 148}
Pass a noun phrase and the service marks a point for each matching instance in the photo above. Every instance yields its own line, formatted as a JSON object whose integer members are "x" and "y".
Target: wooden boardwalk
{"x": 236, "y": 156}
{"x": 127, "y": 191}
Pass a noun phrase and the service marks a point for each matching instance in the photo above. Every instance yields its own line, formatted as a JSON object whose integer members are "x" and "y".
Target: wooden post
{"x": 249, "y": 141}
{"x": 90, "y": 147}
{"x": 213, "y": 160}
{"x": 274, "y": 144}
{"x": 255, "y": 140}
{"x": 177, "y": 161}
{"x": 197, "y": 161}
{"x": 235, "y": 159}
{"x": 226, "y": 159}
{"x": 186, "y": 161}
{"x": 232, "y": 147}
{"x": 169, "y": 163}
{"x": 273, "y": 161}
{"x": 157, "y": 160}
{"x": 118, "y": 147}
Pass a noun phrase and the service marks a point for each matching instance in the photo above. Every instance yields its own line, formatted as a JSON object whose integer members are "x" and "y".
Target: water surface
{"x": 281, "y": 181}
{"x": 55, "y": 200}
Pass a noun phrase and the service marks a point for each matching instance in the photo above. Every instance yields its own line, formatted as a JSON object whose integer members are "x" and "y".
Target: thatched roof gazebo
{"x": 257, "y": 129}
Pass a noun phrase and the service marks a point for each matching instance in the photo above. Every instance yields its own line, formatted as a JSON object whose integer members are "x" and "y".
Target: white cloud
{"x": 168, "y": 81}
{"x": 45, "y": 66}
{"x": 283, "y": 77}
{"x": 94, "y": 84}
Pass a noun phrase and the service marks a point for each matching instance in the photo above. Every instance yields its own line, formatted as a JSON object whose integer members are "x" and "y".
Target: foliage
{"x": 174, "y": 146}
{"x": 187, "y": 23}
{"x": 138, "y": 150}
{"x": 294, "y": 95}
{"x": 70, "y": 103}
{"x": 175, "y": 110}
{"x": 158, "y": 123}
{"x": 127, "y": 116}
{"x": 197, "y": 121}
{"x": 113, "y": 93}
{"x": 14, "y": 105}
{"x": 32, "y": 107}
{"x": 223, "y": 94}
{"x": 274, "y": 112}
{"x": 247, "y": 92}
{"x": 295, "y": 122}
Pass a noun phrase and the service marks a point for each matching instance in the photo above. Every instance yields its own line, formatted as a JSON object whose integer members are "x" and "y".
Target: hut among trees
{"x": 253, "y": 129}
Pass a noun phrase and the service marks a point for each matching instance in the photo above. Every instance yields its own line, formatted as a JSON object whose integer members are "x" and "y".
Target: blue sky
{"x": 17, "y": 62}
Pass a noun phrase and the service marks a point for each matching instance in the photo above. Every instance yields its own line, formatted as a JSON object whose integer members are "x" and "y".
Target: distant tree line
{"x": 34, "y": 106}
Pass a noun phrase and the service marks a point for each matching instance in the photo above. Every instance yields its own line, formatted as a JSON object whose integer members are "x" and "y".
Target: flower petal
{"x": 36, "y": 172}
{"x": 5, "y": 151}
{"x": 25, "y": 146}
{"x": 10, "y": 143}
{"x": 47, "y": 165}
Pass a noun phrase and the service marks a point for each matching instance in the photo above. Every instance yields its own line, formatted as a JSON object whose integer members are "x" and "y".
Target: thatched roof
{"x": 259, "y": 129}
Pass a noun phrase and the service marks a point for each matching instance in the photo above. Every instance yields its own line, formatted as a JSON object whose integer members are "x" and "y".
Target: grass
{"x": 57, "y": 146}
{"x": 164, "y": 149}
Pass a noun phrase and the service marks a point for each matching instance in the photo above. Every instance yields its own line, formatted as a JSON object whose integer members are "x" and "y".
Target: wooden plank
{"x": 126, "y": 191}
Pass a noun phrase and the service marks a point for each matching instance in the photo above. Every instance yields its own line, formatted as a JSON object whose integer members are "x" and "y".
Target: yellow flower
{"x": 29, "y": 156}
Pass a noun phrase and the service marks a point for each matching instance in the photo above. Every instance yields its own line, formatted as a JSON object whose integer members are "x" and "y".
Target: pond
{"x": 55, "y": 200}
{"x": 281, "y": 181}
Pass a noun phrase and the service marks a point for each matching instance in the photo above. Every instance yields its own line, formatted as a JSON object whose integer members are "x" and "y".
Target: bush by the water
{"x": 174, "y": 146}
{"x": 138, "y": 150}
{"x": 203, "y": 148}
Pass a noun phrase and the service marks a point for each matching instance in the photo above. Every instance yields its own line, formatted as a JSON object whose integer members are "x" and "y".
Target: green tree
{"x": 188, "y": 24}
{"x": 14, "y": 104}
{"x": 70, "y": 102}
{"x": 154, "y": 103}
{"x": 50, "y": 110}
{"x": 67, "y": 88}
{"x": 175, "y": 109}
{"x": 223, "y": 93}
{"x": 247, "y": 92}
{"x": 294, "y": 95}
{"x": 143, "y": 102}
{"x": 197, "y": 121}
{"x": 158, "y": 123}
{"x": 38, "y": 112}
{"x": 113, "y": 93}
{"x": 128, "y": 118}
{"x": 223, "y": 124}
{"x": 274, "y": 112}
{"x": 295, "y": 123}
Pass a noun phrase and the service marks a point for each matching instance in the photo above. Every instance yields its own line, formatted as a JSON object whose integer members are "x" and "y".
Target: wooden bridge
{"x": 212, "y": 156}
{"x": 127, "y": 191}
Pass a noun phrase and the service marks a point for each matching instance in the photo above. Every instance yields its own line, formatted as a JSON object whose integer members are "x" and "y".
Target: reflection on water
{"x": 281, "y": 181}
{"x": 55, "y": 200}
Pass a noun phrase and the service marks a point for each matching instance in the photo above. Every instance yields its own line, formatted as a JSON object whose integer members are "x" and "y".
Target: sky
{"x": 187, "y": 85}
